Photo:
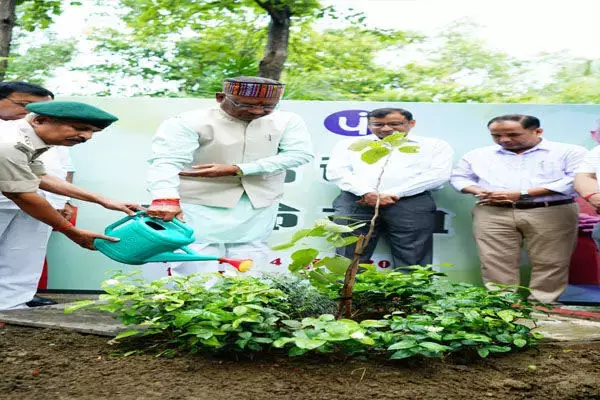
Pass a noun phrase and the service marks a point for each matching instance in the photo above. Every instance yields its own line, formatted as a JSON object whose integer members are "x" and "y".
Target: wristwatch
{"x": 525, "y": 195}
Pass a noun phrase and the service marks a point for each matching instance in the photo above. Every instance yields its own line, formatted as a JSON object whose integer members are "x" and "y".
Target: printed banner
{"x": 114, "y": 164}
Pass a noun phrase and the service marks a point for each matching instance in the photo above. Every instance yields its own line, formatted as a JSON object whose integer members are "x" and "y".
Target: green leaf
{"x": 309, "y": 344}
{"x": 436, "y": 347}
{"x": 404, "y": 344}
{"x": 360, "y": 144}
{"x": 371, "y": 156}
{"x": 408, "y": 149}
{"x": 520, "y": 342}
{"x": 300, "y": 234}
{"x": 202, "y": 333}
{"x": 282, "y": 342}
{"x": 78, "y": 305}
{"x": 212, "y": 342}
{"x": 302, "y": 258}
{"x": 245, "y": 335}
{"x": 336, "y": 264}
{"x": 292, "y": 323}
{"x": 329, "y": 317}
{"x": 296, "y": 351}
{"x": 263, "y": 340}
{"x": 124, "y": 334}
{"x": 240, "y": 310}
{"x": 330, "y": 226}
{"x": 400, "y": 354}
{"x": 345, "y": 241}
{"x": 373, "y": 323}
{"x": 498, "y": 349}
{"x": 483, "y": 352}
{"x": 506, "y": 315}
{"x": 395, "y": 139}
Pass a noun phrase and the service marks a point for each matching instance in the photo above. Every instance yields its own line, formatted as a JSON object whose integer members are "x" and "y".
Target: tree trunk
{"x": 276, "y": 51}
{"x": 7, "y": 22}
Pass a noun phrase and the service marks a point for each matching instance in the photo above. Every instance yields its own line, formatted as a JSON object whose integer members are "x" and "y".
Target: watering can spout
{"x": 190, "y": 255}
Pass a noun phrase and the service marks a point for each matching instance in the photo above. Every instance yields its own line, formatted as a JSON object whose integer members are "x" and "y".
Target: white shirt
{"x": 550, "y": 165}
{"x": 591, "y": 162}
{"x": 57, "y": 161}
{"x": 406, "y": 174}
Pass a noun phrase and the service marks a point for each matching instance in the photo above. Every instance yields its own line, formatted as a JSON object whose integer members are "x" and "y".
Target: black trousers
{"x": 408, "y": 224}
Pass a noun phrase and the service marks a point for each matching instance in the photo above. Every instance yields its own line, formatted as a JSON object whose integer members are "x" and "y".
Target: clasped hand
{"x": 498, "y": 197}
{"x": 211, "y": 170}
{"x": 370, "y": 199}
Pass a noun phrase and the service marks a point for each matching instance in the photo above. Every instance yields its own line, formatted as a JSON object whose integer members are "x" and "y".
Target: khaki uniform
{"x": 23, "y": 238}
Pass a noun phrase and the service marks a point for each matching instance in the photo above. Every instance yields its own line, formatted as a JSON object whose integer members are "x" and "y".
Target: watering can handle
{"x": 112, "y": 226}
{"x": 184, "y": 227}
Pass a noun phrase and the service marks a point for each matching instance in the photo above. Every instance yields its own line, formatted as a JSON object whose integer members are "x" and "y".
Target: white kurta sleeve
{"x": 173, "y": 147}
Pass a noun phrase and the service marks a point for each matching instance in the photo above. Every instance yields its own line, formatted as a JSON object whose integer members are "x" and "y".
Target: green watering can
{"x": 144, "y": 239}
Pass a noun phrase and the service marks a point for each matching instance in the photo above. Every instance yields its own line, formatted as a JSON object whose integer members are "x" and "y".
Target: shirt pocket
{"x": 550, "y": 170}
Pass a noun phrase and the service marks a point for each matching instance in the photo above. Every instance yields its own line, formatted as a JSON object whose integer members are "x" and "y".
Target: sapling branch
{"x": 345, "y": 305}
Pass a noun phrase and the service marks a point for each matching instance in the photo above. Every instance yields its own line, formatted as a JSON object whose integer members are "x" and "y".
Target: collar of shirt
{"x": 29, "y": 134}
{"x": 542, "y": 145}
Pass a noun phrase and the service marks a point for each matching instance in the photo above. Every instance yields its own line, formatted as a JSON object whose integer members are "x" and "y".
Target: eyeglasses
{"x": 21, "y": 103}
{"x": 390, "y": 124}
{"x": 243, "y": 106}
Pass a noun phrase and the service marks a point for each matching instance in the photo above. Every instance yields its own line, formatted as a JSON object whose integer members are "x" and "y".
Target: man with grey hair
{"x": 14, "y": 97}
{"x": 22, "y": 174}
{"x": 223, "y": 168}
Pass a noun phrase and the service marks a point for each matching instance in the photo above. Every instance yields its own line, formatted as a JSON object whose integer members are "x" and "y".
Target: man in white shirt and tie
{"x": 525, "y": 189}
{"x": 407, "y": 209}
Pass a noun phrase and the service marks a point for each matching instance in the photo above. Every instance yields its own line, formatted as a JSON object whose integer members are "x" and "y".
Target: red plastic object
{"x": 585, "y": 260}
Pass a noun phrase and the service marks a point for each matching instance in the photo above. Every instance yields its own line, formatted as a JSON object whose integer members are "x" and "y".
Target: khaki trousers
{"x": 550, "y": 235}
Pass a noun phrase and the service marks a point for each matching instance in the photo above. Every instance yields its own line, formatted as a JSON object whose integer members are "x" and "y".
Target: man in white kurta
{"x": 222, "y": 170}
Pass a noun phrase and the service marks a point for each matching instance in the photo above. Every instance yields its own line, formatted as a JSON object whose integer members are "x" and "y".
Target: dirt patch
{"x": 51, "y": 364}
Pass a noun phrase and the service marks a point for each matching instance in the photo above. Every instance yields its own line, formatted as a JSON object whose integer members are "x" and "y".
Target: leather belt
{"x": 533, "y": 204}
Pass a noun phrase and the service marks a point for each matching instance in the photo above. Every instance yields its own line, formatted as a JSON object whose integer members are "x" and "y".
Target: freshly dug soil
{"x": 44, "y": 364}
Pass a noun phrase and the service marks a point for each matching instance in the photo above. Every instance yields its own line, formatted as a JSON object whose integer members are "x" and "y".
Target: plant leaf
{"x": 127, "y": 333}
{"x": 411, "y": 149}
{"x": 371, "y": 156}
{"x": 336, "y": 264}
{"x": 303, "y": 257}
{"x": 360, "y": 144}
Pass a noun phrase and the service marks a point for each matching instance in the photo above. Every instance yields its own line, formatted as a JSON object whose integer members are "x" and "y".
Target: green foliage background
{"x": 183, "y": 48}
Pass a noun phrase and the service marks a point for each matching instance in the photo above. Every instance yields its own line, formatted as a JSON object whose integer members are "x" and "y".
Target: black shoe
{"x": 38, "y": 301}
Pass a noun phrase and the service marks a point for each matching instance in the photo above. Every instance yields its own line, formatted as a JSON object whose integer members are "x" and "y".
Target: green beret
{"x": 73, "y": 110}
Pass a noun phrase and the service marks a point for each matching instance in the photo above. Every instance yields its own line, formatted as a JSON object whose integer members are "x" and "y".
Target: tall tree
{"x": 32, "y": 14}
{"x": 163, "y": 17}
{"x": 7, "y": 23}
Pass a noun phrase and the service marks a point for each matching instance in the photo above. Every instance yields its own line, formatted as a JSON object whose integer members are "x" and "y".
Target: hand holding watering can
{"x": 144, "y": 239}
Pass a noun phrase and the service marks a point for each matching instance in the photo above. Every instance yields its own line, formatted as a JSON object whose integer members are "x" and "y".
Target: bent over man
{"x": 22, "y": 174}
